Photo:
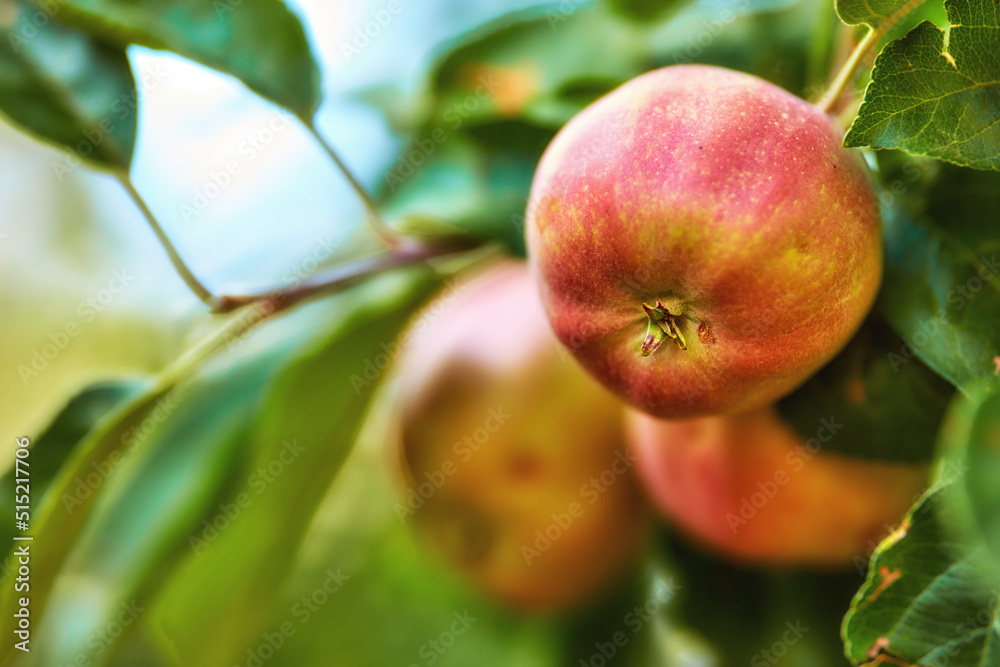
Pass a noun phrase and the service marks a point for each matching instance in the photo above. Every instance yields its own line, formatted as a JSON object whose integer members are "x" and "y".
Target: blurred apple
{"x": 750, "y": 487}
{"x": 514, "y": 459}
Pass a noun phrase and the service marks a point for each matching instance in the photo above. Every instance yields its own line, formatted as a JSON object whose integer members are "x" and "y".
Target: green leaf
{"x": 941, "y": 289}
{"x": 80, "y": 483}
{"x": 867, "y": 12}
{"x": 928, "y": 298}
{"x": 925, "y": 600}
{"x": 219, "y": 599}
{"x": 970, "y": 445}
{"x": 645, "y": 10}
{"x": 889, "y": 412}
{"x": 159, "y": 497}
{"x": 260, "y": 42}
{"x": 935, "y": 96}
{"x": 66, "y": 87}
{"x": 72, "y": 496}
{"x": 982, "y": 481}
{"x": 53, "y": 447}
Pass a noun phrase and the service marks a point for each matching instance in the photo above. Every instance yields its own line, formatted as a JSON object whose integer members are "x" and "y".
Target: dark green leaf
{"x": 259, "y": 42}
{"x": 66, "y": 87}
{"x": 937, "y": 97}
{"x": 943, "y": 300}
{"x": 941, "y": 289}
{"x": 889, "y": 412}
{"x": 220, "y": 598}
{"x": 645, "y": 10}
{"x": 925, "y": 600}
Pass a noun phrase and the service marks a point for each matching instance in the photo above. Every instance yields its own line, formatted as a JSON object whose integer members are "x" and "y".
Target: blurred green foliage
{"x": 218, "y": 563}
{"x": 493, "y": 101}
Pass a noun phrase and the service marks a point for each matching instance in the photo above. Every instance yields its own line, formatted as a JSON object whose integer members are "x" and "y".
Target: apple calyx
{"x": 662, "y": 325}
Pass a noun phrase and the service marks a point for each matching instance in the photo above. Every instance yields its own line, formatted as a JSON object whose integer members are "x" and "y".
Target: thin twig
{"x": 182, "y": 269}
{"x": 384, "y": 232}
{"x": 850, "y": 67}
{"x": 340, "y": 276}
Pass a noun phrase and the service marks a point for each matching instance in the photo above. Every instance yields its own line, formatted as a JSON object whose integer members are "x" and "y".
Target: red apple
{"x": 703, "y": 242}
{"x": 750, "y": 487}
{"x": 515, "y": 463}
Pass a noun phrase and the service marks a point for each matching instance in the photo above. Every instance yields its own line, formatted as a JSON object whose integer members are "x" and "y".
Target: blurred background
{"x": 320, "y": 570}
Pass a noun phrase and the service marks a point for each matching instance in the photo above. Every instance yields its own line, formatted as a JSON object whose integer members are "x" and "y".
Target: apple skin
{"x": 749, "y": 487}
{"x": 732, "y": 202}
{"x": 488, "y": 361}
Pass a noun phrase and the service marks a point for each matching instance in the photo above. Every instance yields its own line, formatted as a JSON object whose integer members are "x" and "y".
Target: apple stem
{"x": 850, "y": 67}
{"x": 662, "y": 325}
{"x": 847, "y": 72}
